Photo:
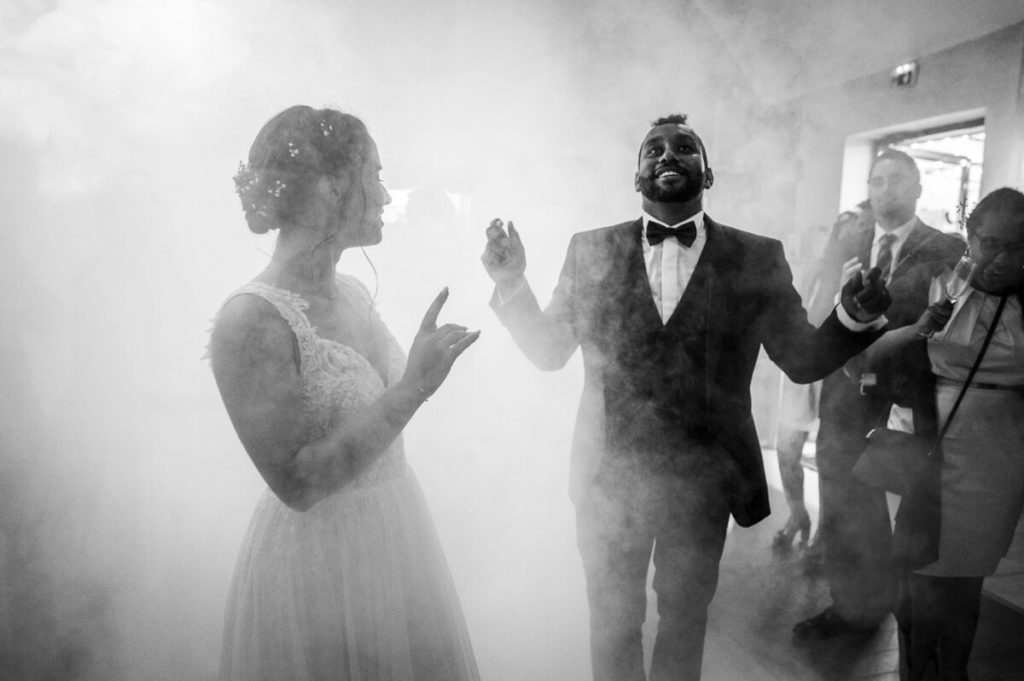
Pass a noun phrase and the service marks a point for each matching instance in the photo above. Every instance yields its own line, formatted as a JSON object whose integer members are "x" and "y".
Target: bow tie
{"x": 657, "y": 232}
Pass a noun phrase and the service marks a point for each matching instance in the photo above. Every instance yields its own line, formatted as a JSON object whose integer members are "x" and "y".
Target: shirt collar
{"x": 900, "y": 232}
{"x": 697, "y": 219}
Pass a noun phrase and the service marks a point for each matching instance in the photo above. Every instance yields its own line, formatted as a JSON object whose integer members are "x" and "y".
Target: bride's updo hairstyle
{"x": 289, "y": 155}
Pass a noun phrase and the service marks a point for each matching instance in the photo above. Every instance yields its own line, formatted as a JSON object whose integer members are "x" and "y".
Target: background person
{"x": 859, "y": 562}
{"x": 798, "y": 413}
{"x": 982, "y": 475}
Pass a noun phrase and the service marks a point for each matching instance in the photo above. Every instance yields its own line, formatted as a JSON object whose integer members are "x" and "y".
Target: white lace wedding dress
{"x": 356, "y": 588}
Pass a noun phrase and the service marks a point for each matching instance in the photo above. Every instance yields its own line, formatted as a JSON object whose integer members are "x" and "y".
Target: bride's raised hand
{"x": 434, "y": 350}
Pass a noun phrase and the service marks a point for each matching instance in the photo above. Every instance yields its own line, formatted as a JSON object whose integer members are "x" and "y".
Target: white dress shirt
{"x": 670, "y": 264}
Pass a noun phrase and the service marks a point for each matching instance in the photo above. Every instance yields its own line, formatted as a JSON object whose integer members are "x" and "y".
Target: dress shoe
{"x": 829, "y": 624}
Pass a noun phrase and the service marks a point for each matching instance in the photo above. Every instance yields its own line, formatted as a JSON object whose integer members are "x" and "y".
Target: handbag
{"x": 904, "y": 463}
{"x": 895, "y": 461}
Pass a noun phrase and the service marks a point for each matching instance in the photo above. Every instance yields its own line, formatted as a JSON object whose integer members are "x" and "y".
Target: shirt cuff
{"x": 853, "y": 325}
{"x": 502, "y": 299}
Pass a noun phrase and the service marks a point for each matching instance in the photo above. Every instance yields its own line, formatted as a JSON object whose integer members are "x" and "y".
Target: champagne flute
{"x": 960, "y": 280}
{"x": 957, "y": 284}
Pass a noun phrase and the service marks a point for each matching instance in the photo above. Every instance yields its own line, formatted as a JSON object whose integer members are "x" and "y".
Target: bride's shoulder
{"x": 254, "y": 317}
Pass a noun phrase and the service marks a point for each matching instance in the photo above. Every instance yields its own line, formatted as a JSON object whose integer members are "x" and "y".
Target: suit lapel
{"x": 704, "y": 293}
{"x": 630, "y": 272}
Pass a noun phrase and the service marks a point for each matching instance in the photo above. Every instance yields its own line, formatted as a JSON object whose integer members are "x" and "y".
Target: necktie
{"x": 657, "y": 232}
{"x": 884, "y": 261}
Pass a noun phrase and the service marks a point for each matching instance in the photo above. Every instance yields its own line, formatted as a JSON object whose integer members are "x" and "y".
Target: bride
{"x": 341, "y": 574}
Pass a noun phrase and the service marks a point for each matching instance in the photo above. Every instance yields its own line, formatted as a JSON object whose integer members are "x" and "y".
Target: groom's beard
{"x": 687, "y": 191}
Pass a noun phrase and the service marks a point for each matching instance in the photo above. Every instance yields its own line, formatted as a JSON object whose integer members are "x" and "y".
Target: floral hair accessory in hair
{"x": 293, "y": 150}
{"x": 246, "y": 181}
{"x": 245, "y": 178}
{"x": 326, "y": 128}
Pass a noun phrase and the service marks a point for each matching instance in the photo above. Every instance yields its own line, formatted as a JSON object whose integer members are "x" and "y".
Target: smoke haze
{"x": 124, "y": 492}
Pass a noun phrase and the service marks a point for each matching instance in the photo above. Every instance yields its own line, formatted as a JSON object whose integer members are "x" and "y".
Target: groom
{"x": 670, "y": 310}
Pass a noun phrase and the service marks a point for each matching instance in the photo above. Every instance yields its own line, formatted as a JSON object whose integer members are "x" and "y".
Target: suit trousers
{"x": 859, "y": 559}
{"x": 621, "y": 521}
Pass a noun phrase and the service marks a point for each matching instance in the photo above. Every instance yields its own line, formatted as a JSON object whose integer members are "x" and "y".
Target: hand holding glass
{"x": 956, "y": 285}
{"x": 960, "y": 280}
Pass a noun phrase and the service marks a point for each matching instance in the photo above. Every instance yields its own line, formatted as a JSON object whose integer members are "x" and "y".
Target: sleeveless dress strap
{"x": 291, "y": 307}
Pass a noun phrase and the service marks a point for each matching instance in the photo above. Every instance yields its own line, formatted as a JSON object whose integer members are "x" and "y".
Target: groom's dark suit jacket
{"x": 656, "y": 393}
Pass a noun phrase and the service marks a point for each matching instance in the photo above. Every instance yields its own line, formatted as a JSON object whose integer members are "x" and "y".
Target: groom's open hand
{"x": 504, "y": 256}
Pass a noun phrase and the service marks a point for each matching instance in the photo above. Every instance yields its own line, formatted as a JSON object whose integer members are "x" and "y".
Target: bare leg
{"x": 790, "y": 452}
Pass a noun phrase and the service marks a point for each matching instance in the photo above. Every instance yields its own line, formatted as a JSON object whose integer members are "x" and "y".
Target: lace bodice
{"x": 337, "y": 381}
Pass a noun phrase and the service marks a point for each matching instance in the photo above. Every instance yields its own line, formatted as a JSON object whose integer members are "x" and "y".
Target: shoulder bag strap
{"x": 974, "y": 370}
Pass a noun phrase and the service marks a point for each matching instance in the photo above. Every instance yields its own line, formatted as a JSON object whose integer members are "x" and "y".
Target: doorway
{"x": 950, "y": 159}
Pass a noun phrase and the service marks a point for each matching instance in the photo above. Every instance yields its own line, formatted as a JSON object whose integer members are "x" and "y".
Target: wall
{"x": 832, "y": 130}
{"x": 979, "y": 76}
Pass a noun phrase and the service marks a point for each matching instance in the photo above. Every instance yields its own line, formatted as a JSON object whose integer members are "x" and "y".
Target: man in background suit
{"x": 671, "y": 310}
{"x": 859, "y": 561}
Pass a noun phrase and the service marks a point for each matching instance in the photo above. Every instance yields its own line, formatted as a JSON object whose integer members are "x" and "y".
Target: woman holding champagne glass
{"x": 982, "y": 472}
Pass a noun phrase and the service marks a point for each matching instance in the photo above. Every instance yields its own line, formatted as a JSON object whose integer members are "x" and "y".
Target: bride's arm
{"x": 255, "y": 361}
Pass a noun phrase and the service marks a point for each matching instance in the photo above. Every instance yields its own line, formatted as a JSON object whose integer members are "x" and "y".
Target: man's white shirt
{"x": 670, "y": 264}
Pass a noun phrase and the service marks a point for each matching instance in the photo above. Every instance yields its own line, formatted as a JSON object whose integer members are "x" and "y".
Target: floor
{"x": 760, "y": 596}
